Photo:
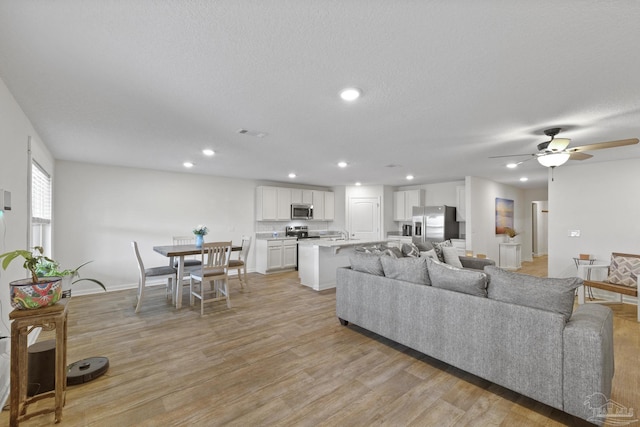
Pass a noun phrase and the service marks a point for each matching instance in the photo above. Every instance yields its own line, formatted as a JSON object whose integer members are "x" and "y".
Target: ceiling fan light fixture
{"x": 552, "y": 160}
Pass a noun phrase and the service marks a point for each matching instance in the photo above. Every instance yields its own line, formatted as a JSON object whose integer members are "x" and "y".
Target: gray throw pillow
{"x": 437, "y": 246}
{"x": 409, "y": 249}
{"x": 431, "y": 253}
{"x": 409, "y": 269}
{"x": 550, "y": 294}
{"x": 393, "y": 252}
{"x": 424, "y": 246}
{"x": 454, "y": 279}
{"x": 366, "y": 263}
{"x": 451, "y": 256}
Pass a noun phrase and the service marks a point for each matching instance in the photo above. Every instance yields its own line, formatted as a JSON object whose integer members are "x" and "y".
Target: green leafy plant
{"x": 49, "y": 267}
{"x": 41, "y": 266}
{"x": 31, "y": 260}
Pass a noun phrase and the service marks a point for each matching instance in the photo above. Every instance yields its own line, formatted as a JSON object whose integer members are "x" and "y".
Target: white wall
{"x": 99, "y": 210}
{"x": 481, "y": 197}
{"x": 601, "y": 200}
{"x": 15, "y": 130}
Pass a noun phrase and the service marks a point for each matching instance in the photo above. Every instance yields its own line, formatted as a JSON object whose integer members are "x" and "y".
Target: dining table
{"x": 179, "y": 252}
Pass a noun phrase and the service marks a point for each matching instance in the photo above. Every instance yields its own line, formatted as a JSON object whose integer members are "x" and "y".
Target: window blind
{"x": 40, "y": 195}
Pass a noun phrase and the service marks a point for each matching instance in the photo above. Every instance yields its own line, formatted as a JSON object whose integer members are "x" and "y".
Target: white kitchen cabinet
{"x": 329, "y": 206}
{"x": 289, "y": 253}
{"x": 461, "y": 208}
{"x": 318, "y": 205}
{"x": 275, "y": 255}
{"x": 403, "y": 203}
{"x": 273, "y": 204}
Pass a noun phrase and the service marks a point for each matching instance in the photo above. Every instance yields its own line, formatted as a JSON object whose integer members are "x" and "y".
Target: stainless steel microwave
{"x": 301, "y": 211}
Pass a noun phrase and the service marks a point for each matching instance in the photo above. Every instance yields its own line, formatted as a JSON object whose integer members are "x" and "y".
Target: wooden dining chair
{"x": 163, "y": 272}
{"x": 240, "y": 264}
{"x": 214, "y": 269}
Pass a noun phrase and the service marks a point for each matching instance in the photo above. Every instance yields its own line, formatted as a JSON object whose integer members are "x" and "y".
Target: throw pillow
{"x": 550, "y": 294}
{"x": 455, "y": 279}
{"x": 366, "y": 263}
{"x": 393, "y": 252}
{"x": 624, "y": 270}
{"x": 429, "y": 254}
{"x": 437, "y": 246}
{"x": 451, "y": 256}
{"x": 409, "y": 249}
{"x": 409, "y": 269}
{"x": 424, "y": 246}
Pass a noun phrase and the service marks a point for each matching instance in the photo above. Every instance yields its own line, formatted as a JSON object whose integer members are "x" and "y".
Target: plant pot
{"x": 26, "y": 295}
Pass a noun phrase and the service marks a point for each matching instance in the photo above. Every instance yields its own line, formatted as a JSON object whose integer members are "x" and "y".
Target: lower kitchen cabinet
{"x": 275, "y": 255}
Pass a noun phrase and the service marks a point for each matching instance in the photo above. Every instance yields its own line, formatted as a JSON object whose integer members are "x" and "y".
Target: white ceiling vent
{"x": 252, "y": 133}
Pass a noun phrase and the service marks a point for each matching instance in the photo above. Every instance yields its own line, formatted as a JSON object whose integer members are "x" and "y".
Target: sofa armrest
{"x": 476, "y": 263}
{"x": 588, "y": 365}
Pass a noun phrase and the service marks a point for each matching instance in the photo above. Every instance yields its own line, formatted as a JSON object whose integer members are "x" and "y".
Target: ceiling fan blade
{"x": 601, "y": 145}
{"x": 558, "y": 144}
{"x": 511, "y": 155}
{"x": 577, "y": 155}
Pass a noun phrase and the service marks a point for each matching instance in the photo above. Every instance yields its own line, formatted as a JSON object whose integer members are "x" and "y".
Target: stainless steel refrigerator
{"x": 434, "y": 223}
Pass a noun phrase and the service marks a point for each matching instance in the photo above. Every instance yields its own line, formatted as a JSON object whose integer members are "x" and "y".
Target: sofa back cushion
{"x": 454, "y": 279}
{"x": 366, "y": 263}
{"x": 550, "y": 294}
{"x": 408, "y": 269}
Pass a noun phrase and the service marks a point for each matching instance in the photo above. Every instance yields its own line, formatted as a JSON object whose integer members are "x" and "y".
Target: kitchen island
{"x": 318, "y": 260}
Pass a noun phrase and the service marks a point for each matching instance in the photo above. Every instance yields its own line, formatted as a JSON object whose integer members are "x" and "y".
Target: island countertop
{"x": 338, "y": 243}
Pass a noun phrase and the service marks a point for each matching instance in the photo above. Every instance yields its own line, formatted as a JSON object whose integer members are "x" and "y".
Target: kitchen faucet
{"x": 345, "y": 233}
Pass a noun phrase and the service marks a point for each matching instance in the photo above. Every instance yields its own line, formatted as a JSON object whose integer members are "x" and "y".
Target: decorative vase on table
{"x": 199, "y": 240}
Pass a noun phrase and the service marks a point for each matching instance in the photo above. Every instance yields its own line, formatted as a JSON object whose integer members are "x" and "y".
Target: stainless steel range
{"x": 302, "y": 233}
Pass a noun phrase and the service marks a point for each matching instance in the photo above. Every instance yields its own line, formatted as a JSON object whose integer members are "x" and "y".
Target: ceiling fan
{"x": 556, "y": 151}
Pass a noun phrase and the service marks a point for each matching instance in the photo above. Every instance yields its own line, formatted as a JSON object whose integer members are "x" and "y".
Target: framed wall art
{"x": 504, "y": 214}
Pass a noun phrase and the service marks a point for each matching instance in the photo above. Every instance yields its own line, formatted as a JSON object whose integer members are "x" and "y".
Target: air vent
{"x": 252, "y": 133}
{"x": 392, "y": 166}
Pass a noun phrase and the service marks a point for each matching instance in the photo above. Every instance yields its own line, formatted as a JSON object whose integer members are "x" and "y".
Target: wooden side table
{"x": 23, "y": 322}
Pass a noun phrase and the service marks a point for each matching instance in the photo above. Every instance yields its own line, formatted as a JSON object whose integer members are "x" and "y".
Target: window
{"x": 40, "y": 208}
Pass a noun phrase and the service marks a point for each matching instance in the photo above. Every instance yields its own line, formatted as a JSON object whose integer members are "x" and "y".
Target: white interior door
{"x": 364, "y": 218}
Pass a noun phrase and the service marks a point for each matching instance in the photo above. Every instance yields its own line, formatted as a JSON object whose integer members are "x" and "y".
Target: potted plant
{"x": 200, "y": 231}
{"x": 511, "y": 233}
{"x": 33, "y": 292}
{"x": 48, "y": 267}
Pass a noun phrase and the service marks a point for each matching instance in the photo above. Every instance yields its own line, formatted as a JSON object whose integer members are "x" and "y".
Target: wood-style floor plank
{"x": 280, "y": 357}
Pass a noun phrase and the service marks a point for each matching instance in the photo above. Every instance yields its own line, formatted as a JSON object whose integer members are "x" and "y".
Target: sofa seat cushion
{"x": 455, "y": 279}
{"x": 408, "y": 269}
{"x": 550, "y": 294}
{"x": 366, "y": 263}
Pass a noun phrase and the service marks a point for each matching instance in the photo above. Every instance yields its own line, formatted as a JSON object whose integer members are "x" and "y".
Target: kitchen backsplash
{"x": 279, "y": 226}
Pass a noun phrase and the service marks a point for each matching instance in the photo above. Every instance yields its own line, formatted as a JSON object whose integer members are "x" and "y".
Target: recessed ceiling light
{"x": 358, "y": 184}
{"x": 409, "y": 177}
{"x": 292, "y": 175}
{"x": 524, "y": 179}
{"x": 188, "y": 164}
{"x": 342, "y": 164}
{"x": 512, "y": 165}
{"x": 208, "y": 152}
{"x": 350, "y": 94}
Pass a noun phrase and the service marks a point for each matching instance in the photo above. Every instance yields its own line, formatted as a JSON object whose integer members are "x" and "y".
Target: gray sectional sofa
{"x": 514, "y": 330}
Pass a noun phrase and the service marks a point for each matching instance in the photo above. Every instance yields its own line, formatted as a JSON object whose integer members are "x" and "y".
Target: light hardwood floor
{"x": 280, "y": 357}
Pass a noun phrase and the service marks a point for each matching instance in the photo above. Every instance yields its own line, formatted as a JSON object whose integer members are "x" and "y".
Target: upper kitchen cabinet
{"x": 273, "y": 204}
{"x": 299, "y": 195}
{"x": 329, "y": 206}
{"x": 403, "y": 203}
{"x": 318, "y": 205}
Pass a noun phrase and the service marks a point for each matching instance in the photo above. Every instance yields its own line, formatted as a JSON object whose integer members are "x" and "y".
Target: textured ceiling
{"x": 446, "y": 84}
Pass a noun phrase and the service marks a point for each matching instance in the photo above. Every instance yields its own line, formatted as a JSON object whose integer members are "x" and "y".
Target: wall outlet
{"x": 574, "y": 233}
